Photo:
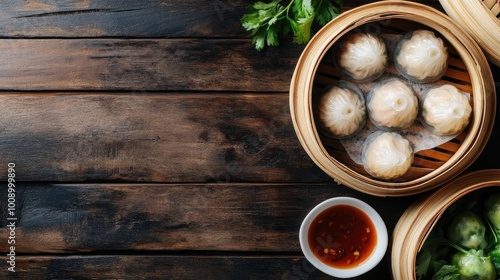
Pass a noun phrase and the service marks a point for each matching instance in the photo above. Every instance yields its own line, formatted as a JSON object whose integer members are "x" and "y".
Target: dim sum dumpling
{"x": 342, "y": 109}
{"x": 421, "y": 57}
{"x": 392, "y": 104}
{"x": 445, "y": 110}
{"x": 387, "y": 155}
{"x": 362, "y": 57}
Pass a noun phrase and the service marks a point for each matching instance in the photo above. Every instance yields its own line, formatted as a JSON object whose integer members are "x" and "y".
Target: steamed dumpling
{"x": 392, "y": 104}
{"x": 421, "y": 57}
{"x": 342, "y": 110}
{"x": 445, "y": 110}
{"x": 362, "y": 57}
{"x": 387, "y": 155}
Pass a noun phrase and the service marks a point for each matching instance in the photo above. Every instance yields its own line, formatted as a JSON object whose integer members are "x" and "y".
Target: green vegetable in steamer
{"x": 467, "y": 230}
{"x": 465, "y": 243}
{"x": 473, "y": 265}
{"x": 492, "y": 210}
{"x": 494, "y": 255}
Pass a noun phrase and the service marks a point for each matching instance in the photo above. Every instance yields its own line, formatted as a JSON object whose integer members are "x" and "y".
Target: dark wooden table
{"x": 151, "y": 141}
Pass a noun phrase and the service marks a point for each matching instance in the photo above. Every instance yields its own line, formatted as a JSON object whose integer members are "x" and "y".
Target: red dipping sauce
{"x": 342, "y": 236}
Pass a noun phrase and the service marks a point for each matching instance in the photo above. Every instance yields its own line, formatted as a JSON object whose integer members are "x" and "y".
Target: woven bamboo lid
{"x": 468, "y": 70}
{"x": 420, "y": 218}
{"x": 480, "y": 20}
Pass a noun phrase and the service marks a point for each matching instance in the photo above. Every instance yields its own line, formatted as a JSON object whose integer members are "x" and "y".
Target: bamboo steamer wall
{"x": 480, "y": 20}
{"x": 468, "y": 70}
{"x": 420, "y": 218}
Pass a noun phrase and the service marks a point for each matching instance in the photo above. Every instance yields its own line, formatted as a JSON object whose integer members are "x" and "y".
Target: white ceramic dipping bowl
{"x": 370, "y": 262}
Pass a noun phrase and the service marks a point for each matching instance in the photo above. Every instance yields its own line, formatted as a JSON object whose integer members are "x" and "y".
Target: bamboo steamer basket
{"x": 480, "y": 20}
{"x": 468, "y": 70}
{"x": 420, "y": 218}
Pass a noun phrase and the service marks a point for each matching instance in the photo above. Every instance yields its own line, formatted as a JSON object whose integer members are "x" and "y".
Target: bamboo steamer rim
{"x": 470, "y": 52}
{"x": 479, "y": 19}
{"x": 420, "y": 218}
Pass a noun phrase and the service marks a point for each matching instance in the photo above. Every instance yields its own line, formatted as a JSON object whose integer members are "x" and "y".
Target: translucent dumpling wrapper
{"x": 362, "y": 57}
{"x": 387, "y": 155}
{"x": 421, "y": 56}
{"x": 392, "y": 104}
{"x": 342, "y": 109}
{"x": 445, "y": 110}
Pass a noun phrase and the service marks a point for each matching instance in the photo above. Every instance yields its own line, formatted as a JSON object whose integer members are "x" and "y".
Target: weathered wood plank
{"x": 126, "y": 18}
{"x": 129, "y": 18}
{"x": 69, "y": 218}
{"x": 145, "y": 65}
{"x": 155, "y": 137}
{"x": 293, "y": 267}
{"x": 152, "y": 137}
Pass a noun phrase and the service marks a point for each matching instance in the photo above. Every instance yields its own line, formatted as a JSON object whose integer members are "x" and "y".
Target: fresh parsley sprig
{"x": 268, "y": 21}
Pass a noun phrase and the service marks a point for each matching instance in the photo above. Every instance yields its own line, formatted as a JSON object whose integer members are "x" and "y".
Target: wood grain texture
{"x": 186, "y": 267}
{"x": 65, "y": 218}
{"x": 152, "y": 141}
{"x": 152, "y": 137}
{"x": 158, "y": 137}
{"x": 145, "y": 65}
{"x": 129, "y": 18}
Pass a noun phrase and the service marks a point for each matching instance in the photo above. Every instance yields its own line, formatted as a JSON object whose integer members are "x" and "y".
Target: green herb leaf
{"x": 423, "y": 263}
{"x": 447, "y": 272}
{"x": 327, "y": 10}
{"x": 259, "y": 39}
{"x": 302, "y": 30}
{"x": 266, "y": 22}
{"x": 272, "y": 37}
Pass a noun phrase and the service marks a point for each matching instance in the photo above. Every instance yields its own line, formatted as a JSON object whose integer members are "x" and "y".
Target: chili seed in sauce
{"x": 342, "y": 236}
